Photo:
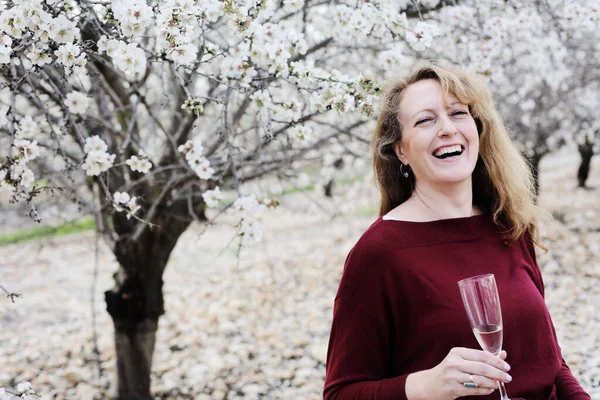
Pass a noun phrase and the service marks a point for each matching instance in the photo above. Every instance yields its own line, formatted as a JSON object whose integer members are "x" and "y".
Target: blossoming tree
{"x": 145, "y": 113}
{"x": 155, "y": 107}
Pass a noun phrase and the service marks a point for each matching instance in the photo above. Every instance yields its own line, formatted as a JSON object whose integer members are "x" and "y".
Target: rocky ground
{"x": 257, "y": 330}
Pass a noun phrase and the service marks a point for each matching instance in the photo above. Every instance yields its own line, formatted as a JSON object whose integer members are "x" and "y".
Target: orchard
{"x": 153, "y": 116}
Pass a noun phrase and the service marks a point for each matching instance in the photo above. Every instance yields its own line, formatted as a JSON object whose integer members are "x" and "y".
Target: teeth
{"x": 451, "y": 149}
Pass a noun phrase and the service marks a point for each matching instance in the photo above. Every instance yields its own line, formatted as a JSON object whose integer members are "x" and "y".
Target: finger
{"x": 484, "y": 357}
{"x": 480, "y": 381}
{"x": 479, "y": 391}
{"x": 503, "y": 355}
{"x": 485, "y": 370}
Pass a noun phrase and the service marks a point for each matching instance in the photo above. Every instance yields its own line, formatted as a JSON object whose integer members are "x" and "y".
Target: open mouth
{"x": 447, "y": 152}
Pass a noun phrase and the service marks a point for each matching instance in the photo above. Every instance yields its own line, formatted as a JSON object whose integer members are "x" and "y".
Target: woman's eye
{"x": 459, "y": 113}
{"x": 422, "y": 120}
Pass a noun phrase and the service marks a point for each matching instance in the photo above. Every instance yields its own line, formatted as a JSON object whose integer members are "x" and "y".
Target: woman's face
{"x": 439, "y": 142}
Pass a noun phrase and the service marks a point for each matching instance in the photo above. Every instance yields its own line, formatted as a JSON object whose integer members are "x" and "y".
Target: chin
{"x": 457, "y": 178}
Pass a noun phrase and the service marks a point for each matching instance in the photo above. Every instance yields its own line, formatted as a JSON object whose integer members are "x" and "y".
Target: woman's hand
{"x": 445, "y": 381}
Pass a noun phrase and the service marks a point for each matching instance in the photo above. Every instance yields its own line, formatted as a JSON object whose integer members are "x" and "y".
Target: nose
{"x": 447, "y": 127}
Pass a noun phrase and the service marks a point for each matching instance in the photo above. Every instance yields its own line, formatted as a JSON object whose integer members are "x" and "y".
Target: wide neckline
{"x": 423, "y": 233}
{"x": 434, "y": 221}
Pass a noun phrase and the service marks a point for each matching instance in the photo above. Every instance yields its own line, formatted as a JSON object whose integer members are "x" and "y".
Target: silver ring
{"x": 470, "y": 384}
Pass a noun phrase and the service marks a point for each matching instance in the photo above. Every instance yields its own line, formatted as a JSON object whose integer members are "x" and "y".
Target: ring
{"x": 470, "y": 383}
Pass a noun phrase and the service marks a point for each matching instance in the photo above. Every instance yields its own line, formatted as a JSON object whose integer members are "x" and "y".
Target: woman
{"x": 456, "y": 201}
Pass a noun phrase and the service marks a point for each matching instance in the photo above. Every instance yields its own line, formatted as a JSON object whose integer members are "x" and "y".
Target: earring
{"x": 405, "y": 173}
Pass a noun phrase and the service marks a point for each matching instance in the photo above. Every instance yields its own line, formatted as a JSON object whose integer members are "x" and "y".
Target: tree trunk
{"x": 587, "y": 152}
{"x": 136, "y": 303}
{"x": 534, "y": 164}
{"x": 328, "y": 188}
{"x": 135, "y": 307}
{"x": 134, "y": 359}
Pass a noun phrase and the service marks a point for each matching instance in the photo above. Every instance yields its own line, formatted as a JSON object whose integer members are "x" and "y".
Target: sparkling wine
{"x": 489, "y": 338}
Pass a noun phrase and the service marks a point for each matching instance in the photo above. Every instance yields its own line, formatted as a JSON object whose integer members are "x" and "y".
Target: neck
{"x": 451, "y": 201}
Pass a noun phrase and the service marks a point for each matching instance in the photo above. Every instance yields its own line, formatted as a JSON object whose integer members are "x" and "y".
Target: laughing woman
{"x": 456, "y": 201}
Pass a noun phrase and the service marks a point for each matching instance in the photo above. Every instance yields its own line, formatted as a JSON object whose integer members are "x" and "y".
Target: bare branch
{"x": 10, "y": 295}
{"x": 175, "y": 181}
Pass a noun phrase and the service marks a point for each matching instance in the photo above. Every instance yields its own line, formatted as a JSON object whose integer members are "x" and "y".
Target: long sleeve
{"x": 567, "y": 386}
{"x": 363, "y": 333}
{"x": 358, "y": 356}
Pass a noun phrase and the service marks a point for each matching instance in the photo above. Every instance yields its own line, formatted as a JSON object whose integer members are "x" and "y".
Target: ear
{"x": 399, "y": 153}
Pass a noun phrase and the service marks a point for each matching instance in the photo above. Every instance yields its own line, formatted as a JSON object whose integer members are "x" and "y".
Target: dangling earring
{"x": 405, "y": 173}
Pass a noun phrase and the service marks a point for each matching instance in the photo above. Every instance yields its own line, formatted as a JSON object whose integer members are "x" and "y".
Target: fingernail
{"x": 506, "y": 367}
{"x": 508, "y": 377}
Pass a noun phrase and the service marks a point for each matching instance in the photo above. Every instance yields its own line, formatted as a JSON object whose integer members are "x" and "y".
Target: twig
{"x": 237, "y": 255}
{"x": 95, "y": 350}
{"x": 239, "y": 226}
{"x": 175, "y": 180}
{"x": 212, "y": 221}
{"x": 10, "y": 295}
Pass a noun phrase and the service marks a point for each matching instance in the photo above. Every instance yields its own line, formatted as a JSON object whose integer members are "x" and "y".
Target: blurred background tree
{"x": 145, "y": 114}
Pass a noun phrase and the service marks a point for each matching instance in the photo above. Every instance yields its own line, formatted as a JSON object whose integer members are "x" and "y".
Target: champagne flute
{"x": 480, "y": 297}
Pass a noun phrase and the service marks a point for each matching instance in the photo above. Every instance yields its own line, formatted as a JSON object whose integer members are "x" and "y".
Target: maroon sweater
{"x": 398, "y": 310}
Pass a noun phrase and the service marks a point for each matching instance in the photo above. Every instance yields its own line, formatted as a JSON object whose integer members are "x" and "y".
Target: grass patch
{"x": 87, "y": 224}
{"x": 36, "y": 233}
{"x": 367, "y": 212}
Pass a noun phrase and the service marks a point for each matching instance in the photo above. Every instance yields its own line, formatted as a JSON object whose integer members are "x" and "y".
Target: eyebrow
{"x": 431, "y": 110}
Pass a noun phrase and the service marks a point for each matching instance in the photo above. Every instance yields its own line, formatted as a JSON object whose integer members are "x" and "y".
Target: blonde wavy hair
{"x": 502, "y": 180}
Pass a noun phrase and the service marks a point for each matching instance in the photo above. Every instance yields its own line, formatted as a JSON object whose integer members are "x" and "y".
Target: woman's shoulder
{"x": 368, "y": 260}
{"x": 380, "y": 238}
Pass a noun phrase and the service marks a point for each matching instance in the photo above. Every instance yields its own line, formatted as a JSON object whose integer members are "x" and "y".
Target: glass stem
{"x": 503, "y": 395}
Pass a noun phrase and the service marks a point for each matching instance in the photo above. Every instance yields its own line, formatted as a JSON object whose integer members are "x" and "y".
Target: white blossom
{"x": 121, "y": 197}
{"x": 13, "y": 21}
{"x": 94, "y": 143}
{"x": 27, "y": 127}
{"x": 191, "y": 149}
{"x": 133, "y": 15}
{"x": 251, "y": 230}
{"x": 5, "y": 48}
{"x": 261, "y": 98}
{"x": 68, "y": 54}
{"x": 21, "y": 174}
{"x": 102, "y": 43}
{"x": 44, "y": 31}
{"x": 212, "y": 197}
{"x": 65, "y": 30}
{"x": 201, "y": 167}
{"x": 301, "y": 133}
{"x": 26, "y": 150}
{"x": 421, "y": 37}
{"x": 77, "y": 102}
{"x": 112, "y": 47}
{"x": 97, "y": 162}
{"x": 211, "y": 10}
{"x": 141, "y": 164}
{"x": 248, "y": 206}
{"x": 133, "y": 208}
{"x": 123, "y": 202}
{"x": 183, "y": 54}
{"x": 27, "y": 178}
{"x": 129, "y": 58}
{"x": 39, "y": 57}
